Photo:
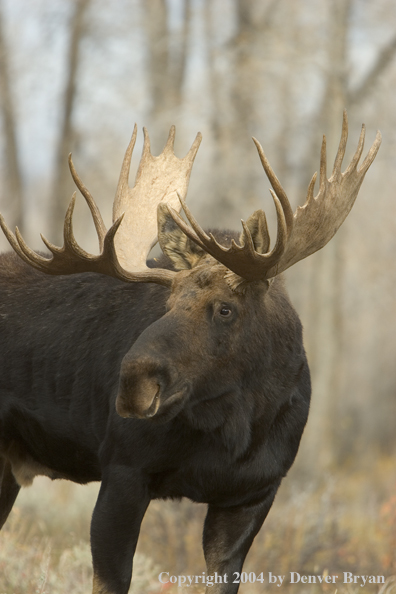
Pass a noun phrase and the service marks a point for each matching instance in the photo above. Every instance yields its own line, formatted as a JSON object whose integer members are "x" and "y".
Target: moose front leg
{"x": 227, "y": 538}
{"x": 116, "y": 520}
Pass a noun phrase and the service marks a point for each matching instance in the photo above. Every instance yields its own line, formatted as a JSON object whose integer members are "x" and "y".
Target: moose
{"x": 183, "y": 376}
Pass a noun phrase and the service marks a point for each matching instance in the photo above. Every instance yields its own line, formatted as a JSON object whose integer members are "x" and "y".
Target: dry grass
{"x": 344, "y": 521}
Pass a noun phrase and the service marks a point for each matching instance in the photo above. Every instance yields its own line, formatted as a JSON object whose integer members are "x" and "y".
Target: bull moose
{"x": 181, "y": 377}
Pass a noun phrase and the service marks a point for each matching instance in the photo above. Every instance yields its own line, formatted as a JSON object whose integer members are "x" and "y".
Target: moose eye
{"x": 225, "y": 311}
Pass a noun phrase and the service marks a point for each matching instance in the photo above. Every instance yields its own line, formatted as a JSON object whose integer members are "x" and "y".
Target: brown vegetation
{"x": 344, "y": 520}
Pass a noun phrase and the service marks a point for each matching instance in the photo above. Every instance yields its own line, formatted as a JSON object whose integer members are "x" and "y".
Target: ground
{"x": 342, "y": 521}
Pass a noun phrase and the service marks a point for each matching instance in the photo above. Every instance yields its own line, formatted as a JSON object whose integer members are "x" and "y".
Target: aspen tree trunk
{"x": 63, "y": 185}
{"x": 234, "y": 99}
{"x": 166, "y": 67}
{"x": 14, "y": 184}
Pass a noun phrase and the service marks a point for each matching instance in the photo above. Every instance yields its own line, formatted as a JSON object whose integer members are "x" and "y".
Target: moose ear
{"x": 257, "y": 225}
{"x": 183, "y": 252}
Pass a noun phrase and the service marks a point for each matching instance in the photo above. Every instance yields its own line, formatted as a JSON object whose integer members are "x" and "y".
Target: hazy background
{"x": 76, "y": 75}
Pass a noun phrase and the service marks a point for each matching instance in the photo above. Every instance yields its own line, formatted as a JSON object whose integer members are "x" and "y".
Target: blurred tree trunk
{"x": 286, "y": 106}
{"x": 14, "y": 183}
{"x": 234, "y": 98}
{"x": 63, "y": 185}
{"x": 166, "y": 66}
{"x": 326, "y": 344}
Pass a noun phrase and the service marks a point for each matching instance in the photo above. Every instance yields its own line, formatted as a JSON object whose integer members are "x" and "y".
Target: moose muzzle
{"x": 139, "y": 389}
{"x": 148, "y": 388}
{"x": 140, "y": 399}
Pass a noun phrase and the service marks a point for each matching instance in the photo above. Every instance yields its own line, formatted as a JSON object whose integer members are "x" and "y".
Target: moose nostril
{"x": 138, "y": 396}
{"x": 154, "y": 405}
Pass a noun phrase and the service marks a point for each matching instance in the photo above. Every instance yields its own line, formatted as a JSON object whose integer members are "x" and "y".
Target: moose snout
{"x": 140, "y": 387}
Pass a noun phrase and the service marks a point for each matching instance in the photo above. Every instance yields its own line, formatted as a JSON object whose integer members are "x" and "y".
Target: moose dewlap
{"x": 184, "y": 377}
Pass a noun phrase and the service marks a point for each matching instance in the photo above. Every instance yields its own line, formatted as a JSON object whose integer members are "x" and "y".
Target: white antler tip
{"x": 189, "y": 158}
{"x": 146, "y": 145}
{"x": 171, "y": 140}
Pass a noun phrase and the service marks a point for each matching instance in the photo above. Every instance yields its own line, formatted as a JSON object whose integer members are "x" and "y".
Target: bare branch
{"x": 13, "y": 169}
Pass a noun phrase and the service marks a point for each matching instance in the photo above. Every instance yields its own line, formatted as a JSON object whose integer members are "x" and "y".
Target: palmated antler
{"x": 158, "y": 180}
{"x": 125, "y": 246}
{"x": 299, "y": 235}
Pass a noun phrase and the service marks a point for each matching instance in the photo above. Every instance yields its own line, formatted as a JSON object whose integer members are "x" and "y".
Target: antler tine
{"x": 283, "y": 232}
{"x": 170, "y": 143}
{"x": 122, "y": 186}
{"x": 310, "y": 191}
{"x": 278, "y": 189}
{"x": 70, "y": 243}
{"x": 146, "y": 143}
{"x": 195, "y": 225}
{"x": 68, "y": 235}
{"x": 358, "y": 153}
{"x": 14, "y": 241}
{"x": 371, "y": 154}
{"x": 246, "y": 238}
{"x": 97, "y": 217}
{"x": 27, "y": 254}
{"x": 189, "y": 158}
{"x": 187, "y": 230}
{"x": 323, "y": 166}
{"x": 258, "y": 222}
{"x": 342, "y": 146}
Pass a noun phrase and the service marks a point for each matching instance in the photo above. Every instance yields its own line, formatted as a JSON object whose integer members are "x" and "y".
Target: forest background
{"x": 74, "y": 76}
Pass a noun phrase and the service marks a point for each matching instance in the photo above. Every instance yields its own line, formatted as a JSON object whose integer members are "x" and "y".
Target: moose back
{"x": 184, "y": 377}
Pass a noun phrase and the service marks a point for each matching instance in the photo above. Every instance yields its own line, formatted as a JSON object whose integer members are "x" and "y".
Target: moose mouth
{"x": 153, "y": 402}
{"x": 164, "y": 411}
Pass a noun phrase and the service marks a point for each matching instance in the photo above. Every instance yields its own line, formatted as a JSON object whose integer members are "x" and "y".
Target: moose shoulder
{"x": 184, "y": 377}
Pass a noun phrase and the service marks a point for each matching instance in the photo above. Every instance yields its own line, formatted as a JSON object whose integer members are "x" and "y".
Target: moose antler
{"x": 299, "y": 235}
{"x": 125, "y": 246}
